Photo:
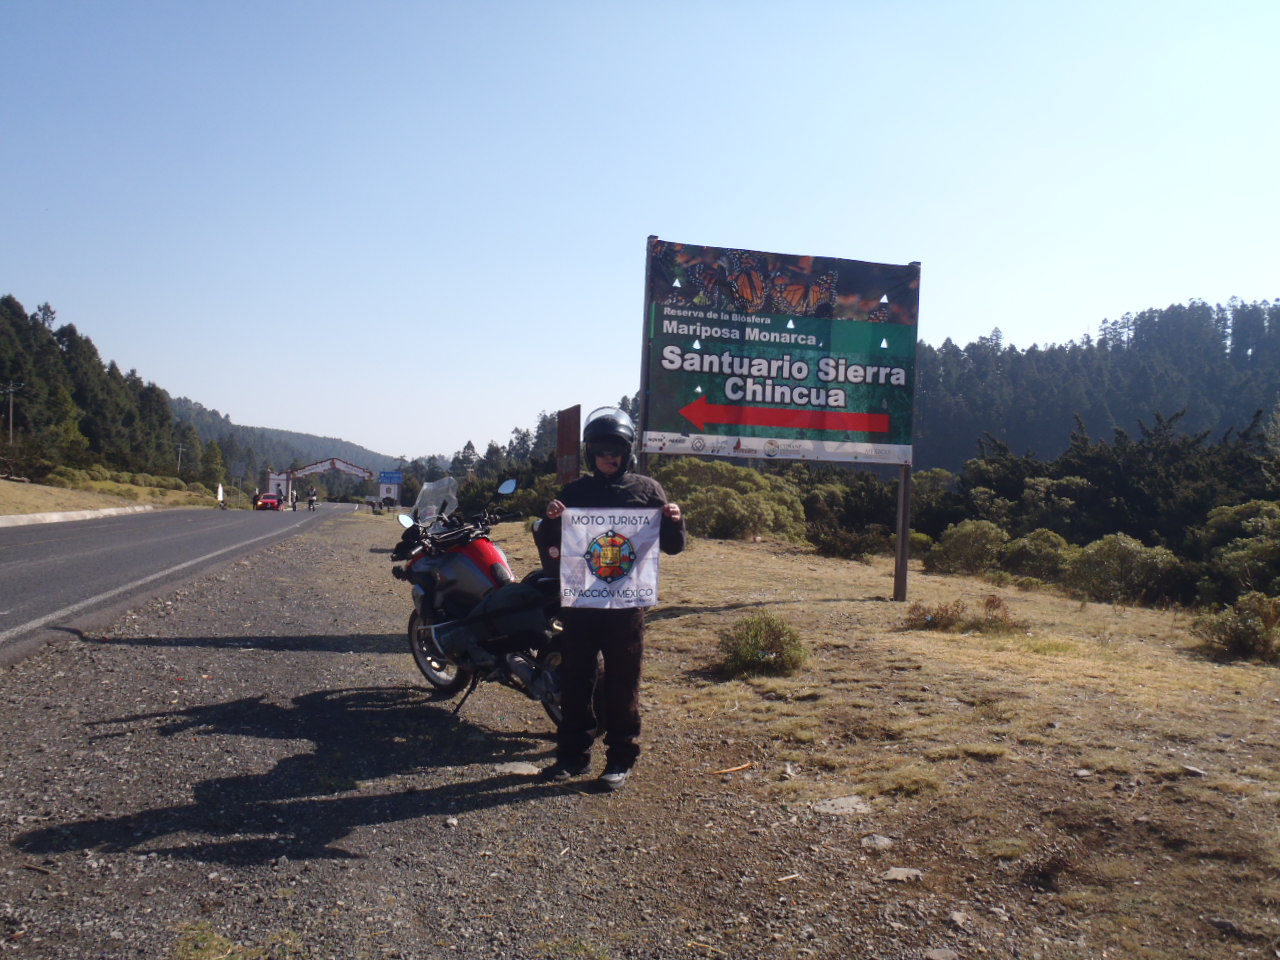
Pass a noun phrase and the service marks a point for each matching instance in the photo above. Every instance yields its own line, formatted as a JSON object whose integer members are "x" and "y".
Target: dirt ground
{"x": 1091, "y": 784}
{"x": 1096, "y": 764}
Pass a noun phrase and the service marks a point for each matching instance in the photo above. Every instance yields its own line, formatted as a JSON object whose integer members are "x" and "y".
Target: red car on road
{"x": 270, "y": 501}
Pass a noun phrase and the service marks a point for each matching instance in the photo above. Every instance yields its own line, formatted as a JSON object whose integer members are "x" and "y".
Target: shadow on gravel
{"x": 334, "y": 643}
{"x": 378, "y": 759}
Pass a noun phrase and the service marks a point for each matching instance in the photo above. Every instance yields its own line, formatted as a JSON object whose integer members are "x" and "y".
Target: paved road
{"x": 75, "y": 575}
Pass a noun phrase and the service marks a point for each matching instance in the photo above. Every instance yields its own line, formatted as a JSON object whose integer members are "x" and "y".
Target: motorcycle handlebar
{"x": 445, "y": 530}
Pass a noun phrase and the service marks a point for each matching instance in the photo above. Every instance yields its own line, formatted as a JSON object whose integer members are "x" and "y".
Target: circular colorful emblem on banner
{"x": 610, "y": 556}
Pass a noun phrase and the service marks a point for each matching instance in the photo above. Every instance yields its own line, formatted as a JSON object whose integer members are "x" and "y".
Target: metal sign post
{"x": 903, "y": 553}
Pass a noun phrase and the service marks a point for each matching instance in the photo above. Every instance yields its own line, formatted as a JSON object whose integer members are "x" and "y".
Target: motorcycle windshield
{"x": 439, "y": 498}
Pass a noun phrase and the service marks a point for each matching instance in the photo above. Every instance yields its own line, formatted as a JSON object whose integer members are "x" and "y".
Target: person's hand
{"x": 554, "y": 509}
{"x": 672, "y": 512}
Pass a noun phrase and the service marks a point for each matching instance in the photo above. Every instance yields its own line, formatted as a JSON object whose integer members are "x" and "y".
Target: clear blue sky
{"x": 414, "y": 224}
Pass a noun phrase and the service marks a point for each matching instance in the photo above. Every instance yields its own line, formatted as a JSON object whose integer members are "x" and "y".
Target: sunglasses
{"x": 609, "y": 450}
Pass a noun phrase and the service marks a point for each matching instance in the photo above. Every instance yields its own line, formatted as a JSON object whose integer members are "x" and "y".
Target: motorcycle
{"x": 472, "y": 621}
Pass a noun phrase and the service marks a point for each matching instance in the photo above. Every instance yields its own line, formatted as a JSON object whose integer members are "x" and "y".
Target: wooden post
{"x": 568, "y": 455}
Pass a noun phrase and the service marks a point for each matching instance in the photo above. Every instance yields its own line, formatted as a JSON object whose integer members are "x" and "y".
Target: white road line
{"x": 86, "y": 604}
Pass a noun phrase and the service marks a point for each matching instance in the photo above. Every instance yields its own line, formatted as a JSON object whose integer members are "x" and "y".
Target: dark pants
{"x": 619, "y": 636}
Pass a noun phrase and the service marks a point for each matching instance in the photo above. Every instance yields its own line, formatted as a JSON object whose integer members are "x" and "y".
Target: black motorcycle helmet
{"x": 609, "y": 428}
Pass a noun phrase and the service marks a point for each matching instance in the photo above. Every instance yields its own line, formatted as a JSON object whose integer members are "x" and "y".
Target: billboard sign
{"x": 765, "y": 355}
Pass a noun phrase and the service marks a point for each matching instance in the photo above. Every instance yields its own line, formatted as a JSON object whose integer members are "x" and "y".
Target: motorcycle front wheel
{"x": 441, "y": 672}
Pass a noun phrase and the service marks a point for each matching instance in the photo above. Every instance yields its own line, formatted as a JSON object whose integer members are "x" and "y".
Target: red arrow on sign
{"x": 701, "y": 412}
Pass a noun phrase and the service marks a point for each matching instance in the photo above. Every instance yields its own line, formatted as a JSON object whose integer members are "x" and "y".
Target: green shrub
{"x": 98, "y": 473}
{"x": 762, "y": 644}
{"x": 1250, "y": 561}
{"x": 920, "y": 543}
{"x": 824, "y": 504}
{"x": 1119, "y": 569}
{"x": 70, "y": 476}
{"x": 723, "y": 514}
{"x": 197, "y": 487}
{"x": 1248, "y": 628}
{"x": 727, "y": 502}
{"x": 1243, "y": 520}
{"x": 971, "y": 546}
{"x": 1041, "y": 554}
{"x": 832, "y": 540}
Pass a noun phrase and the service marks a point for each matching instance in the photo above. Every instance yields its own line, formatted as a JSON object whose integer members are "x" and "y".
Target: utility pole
{"x": 13, "y": 387}
{"x": 180, "y": 449}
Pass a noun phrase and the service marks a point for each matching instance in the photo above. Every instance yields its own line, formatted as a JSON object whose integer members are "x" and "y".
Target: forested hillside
{"x": 251, "y": 448}
{"x": 1218, "y": 366}
{"x": 72, "y": 409}
{"x": 1206, "y": 369}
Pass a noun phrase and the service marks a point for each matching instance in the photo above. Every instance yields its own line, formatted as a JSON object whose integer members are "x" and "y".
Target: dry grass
{"x": 1097, "y": 753}
{"x": 18, "y": 498}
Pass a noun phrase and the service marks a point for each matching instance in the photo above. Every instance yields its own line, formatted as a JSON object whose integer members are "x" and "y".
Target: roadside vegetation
{"x": 17, "y": 497}
{"x": 1161, "y": 516}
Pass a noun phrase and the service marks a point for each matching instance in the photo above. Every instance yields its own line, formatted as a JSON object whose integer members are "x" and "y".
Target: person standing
{"x": 617, "y": 634}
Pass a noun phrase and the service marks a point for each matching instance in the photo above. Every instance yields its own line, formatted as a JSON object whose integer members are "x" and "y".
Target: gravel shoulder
{"x": 251, "y": 768}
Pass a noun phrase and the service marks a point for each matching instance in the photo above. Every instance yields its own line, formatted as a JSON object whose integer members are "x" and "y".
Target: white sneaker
{"x": 614, "y": 776}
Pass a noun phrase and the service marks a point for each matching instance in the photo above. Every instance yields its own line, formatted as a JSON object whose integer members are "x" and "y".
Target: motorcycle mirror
{"x": 404, "y": 520}
{"x": 507, "y": 487}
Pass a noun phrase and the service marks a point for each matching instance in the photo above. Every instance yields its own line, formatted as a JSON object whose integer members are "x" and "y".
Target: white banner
{"x": 609, "y": 557}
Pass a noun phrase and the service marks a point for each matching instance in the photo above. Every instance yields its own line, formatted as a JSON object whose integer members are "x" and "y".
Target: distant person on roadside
{"x": 617, "y": 634}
